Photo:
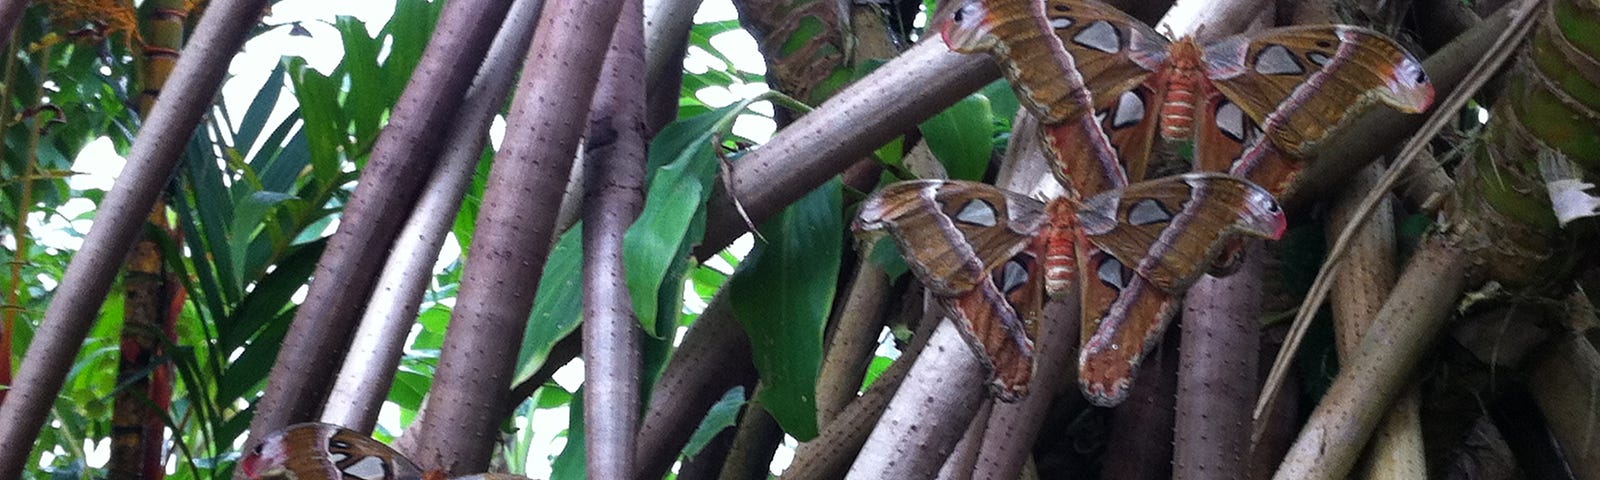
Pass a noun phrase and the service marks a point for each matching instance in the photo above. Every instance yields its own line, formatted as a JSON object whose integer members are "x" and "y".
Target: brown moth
{"x": 981, "y": 251}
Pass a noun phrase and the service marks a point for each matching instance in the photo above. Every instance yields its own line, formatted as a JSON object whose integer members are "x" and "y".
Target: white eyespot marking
{"x": 1148, "y": 211}
{"x": 1230, "y": 119}
{"x": 1013, "y": 276}
{"x": 1130, "y": 110}
{"x": 1059, "y": 23}
{"x": 977, "y": 212}
{"x": 369, "y": 468}
{"x": 1319, "y": 58}
{"x": 1277, "y": 60}
{"x": 1111, "y": 272}
{"x": 337, "y": 456}
{"x": 1100, "y": 35}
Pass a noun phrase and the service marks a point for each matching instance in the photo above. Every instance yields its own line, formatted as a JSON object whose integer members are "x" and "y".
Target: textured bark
{"x": 830, "y": 454}
{"x": 1217, "y": 381}
{"x": 118, "y": 222}
{"x": 1563, "y": 384}
{"x": 514, "y": 228}
{"x": 803, "y": 41}
{"x": 402, "y": 159}
{"x": 757, "y": 439}
{"x": 928, "y": 414}
{"x": 1411, "y": 318}
{"x": 713, "y": 357}
{"x": 368, "y": 369}
{"x": 615, "y": 159}
{"x": 961, "y": 462}
{"x": 666, "y": 39}
{"x": 1012, "y": 427}
{"x": 854, "y": 337}
{"x": 916, "y": 85}
{"x": 1359, "y": 289}
{"x": 10, "y": 14}
{"x": 1140, "y": 443}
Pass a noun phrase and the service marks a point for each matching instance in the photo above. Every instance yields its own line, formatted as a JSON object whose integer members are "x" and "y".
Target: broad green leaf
{"x": 682, "y": 167}
{"x": 366, "y": 101}
{"x": 326, "y": 134}
{"x": 961, "y": 137}
{"x": 723, "y": 414}
{"x": 557, "y": 307}
{"x": 251, "y": 215}
{"x": 782, "y": 295}
{"x": 1002, "y": 100}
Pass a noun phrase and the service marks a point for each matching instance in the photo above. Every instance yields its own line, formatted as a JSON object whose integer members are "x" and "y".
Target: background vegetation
{"x": 215, "y": 329}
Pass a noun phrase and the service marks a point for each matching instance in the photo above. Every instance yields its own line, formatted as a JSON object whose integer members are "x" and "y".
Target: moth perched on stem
{"x": 983, "y": 251}
{"x": 1107, "y": 87}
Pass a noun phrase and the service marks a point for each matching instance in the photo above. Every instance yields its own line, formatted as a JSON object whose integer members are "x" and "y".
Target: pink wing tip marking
{"x": 1280, "y": 225}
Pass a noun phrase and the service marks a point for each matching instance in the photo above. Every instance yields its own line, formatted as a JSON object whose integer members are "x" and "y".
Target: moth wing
{"x": 1170, "y": 230}
{"x": 952, "y": 233}
{"x": 1124, "y": 316}
{"x": 1299, "y": 83}
{"x": 999, "y": 319}
{"x": 1113, "y": 51}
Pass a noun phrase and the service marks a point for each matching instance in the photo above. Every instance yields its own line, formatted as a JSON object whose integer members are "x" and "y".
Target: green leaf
{"x": 251, "y": 215}
{"x": 557, "y": 307}
{"x": 875, "y": 370}
{"x": 1002, "y": 100}
{"x": 782, "y": 294}
{"x": 255, "y": 117}
{"x": 366, "y": 102}
{"x": 682, "y": 167}
{"x": 571, "y": 463}
{"x": 325, "y": 122}
{"x": 961, "y": 137}
{"x": 722, "y": 415}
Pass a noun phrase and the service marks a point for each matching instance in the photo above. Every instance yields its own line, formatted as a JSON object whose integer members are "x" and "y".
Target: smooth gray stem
{"x": 916, "y": 85}
{"x": 1012, "y": 427}
{"x": 512, "y": 243}
{"x": 364, "y": 380}
{"x": 1563, "y": 382}
{"x": 615, "y": 160}
{"x": 961, "y": 463}
{"x": 1141, "y": 427}
{"x": 666, "y": 39}
{"x": 118, "y": 223}
{"x": 1217, "y": 374}
{"x": 928, "y": 415}
{"x": 855, "y": 336}
{"x": 402, "y": 160}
